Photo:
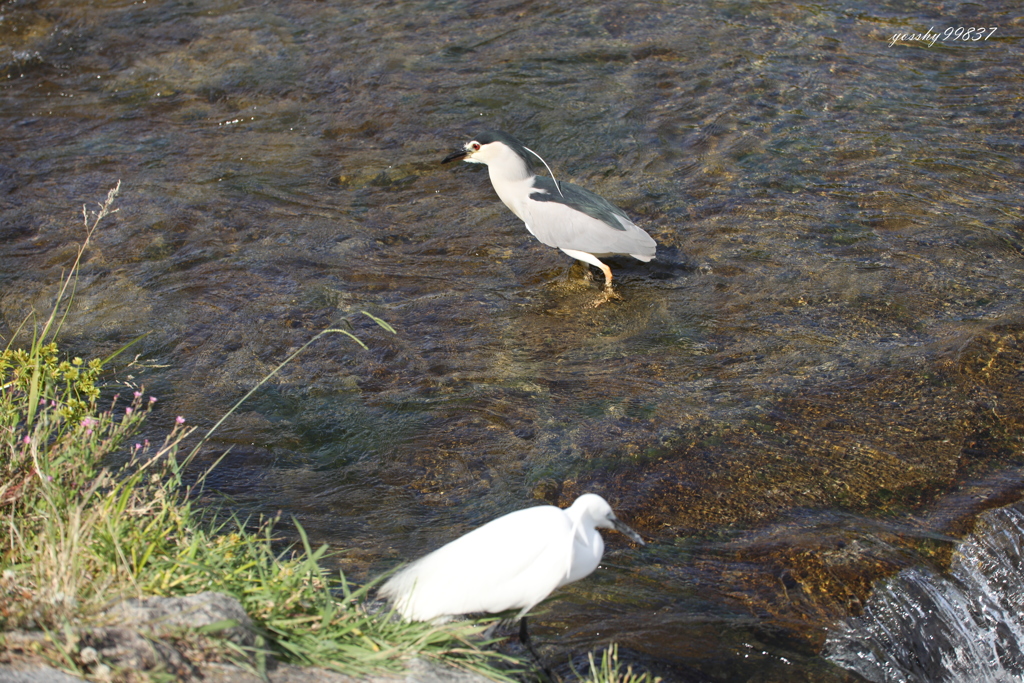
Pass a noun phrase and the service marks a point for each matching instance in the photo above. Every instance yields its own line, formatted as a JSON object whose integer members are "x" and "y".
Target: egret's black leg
{"x": 524, "y": 639}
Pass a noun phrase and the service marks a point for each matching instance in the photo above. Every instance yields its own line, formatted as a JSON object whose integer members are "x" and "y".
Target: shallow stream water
{"x": 816, "y": 384}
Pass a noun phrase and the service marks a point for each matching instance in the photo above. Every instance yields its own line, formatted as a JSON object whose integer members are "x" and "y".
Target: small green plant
{"x": 70, "y": 519}
{"x": 609, "y": 670}
{"x": 29, "y": 377}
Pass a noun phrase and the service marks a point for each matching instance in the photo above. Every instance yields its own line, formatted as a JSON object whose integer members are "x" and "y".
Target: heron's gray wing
{"x": 579, "y": 199}
{"x": 580, "y": 220}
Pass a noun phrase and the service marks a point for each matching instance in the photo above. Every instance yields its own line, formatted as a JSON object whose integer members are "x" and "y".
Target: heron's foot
{"x": 608, "y": 294}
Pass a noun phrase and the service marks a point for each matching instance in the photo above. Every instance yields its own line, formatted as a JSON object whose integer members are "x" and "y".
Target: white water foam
{"x": 963, "y": 627}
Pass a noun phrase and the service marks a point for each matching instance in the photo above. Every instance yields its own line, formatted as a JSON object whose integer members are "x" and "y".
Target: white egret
{"x": 512, "y": 562}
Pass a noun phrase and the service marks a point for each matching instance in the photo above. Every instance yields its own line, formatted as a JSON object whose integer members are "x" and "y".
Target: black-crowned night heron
{"x": 560, "y": 215}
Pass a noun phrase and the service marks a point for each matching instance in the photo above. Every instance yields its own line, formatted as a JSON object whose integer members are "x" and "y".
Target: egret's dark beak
{"x": 454, "y": 155}
{"x": 623, "y": 529}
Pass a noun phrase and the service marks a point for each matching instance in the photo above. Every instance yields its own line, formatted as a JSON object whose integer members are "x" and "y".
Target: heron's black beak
{"x": 454, "y": 155}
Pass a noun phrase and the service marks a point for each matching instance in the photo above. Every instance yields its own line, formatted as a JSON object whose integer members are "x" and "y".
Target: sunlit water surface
{"x": 815, "y": 385}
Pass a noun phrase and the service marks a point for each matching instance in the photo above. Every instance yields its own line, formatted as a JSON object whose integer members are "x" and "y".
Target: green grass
{"x": 81, "y": 536}
{"x": 609, "y": 670}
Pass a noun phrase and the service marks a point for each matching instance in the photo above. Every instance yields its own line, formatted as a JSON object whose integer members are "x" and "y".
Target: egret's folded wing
{"x": 513, "y": 562}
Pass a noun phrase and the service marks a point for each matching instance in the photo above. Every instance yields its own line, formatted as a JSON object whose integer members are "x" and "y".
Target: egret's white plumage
{"x": 512, "y": 562}
{"x": 577, "y": 221}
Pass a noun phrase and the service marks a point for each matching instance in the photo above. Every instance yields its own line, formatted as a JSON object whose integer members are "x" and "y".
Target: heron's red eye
{"x": 475, "y": 146}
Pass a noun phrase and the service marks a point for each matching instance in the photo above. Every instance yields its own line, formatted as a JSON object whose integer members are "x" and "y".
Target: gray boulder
{"x": 147, "y": 635}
